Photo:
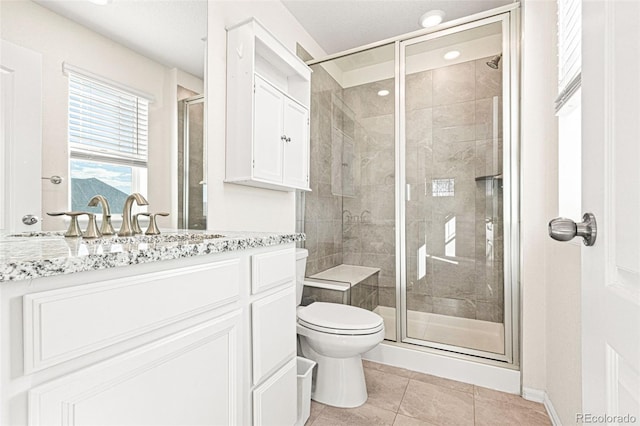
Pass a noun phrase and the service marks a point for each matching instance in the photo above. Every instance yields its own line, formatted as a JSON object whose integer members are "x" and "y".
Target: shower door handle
{"x": 563, "y": 229}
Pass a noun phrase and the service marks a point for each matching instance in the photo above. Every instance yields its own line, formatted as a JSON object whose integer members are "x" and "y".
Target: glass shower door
{"x": 192, "y": 154}
{"x": 453, "y": 290}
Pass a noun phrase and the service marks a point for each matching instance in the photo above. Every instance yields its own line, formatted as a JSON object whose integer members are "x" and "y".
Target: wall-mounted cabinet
{"x": 268, "y": 98}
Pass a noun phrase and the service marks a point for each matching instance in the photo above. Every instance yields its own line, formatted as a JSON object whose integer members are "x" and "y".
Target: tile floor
{"x": 406, "y": 398}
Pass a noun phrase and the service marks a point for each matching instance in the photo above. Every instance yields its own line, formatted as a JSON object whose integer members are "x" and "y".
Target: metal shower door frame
{"x": 198, "y": 99}
{"x": 510, "y": 92}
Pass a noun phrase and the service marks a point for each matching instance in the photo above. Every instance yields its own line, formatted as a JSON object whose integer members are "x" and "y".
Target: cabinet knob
{"x": 283, "y": 138}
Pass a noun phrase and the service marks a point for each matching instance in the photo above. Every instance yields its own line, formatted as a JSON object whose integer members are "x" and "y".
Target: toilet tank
{"x": 301, "y": 266}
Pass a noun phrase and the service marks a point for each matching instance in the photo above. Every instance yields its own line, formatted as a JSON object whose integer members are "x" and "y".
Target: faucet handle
{"x": 92, "y": 228}
{"x": 74, "y": 229}
{"x": 153, "y": 227}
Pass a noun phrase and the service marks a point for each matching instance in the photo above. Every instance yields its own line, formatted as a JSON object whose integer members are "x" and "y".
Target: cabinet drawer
{"x": 273, "y": 321}
{"x": 272, "y": 269}
{"x": 60, "y": 325}
{"x": 275, "y": 401}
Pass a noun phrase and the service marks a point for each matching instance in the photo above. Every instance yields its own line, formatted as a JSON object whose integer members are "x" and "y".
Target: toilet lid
{"x": 339, "y": 317}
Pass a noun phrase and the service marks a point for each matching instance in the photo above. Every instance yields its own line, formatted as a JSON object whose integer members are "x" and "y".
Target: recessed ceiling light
{"x": 431, "y": 18}
{"x": 452, "y": 54}
{"x": 100, "y": 2}
{"x": 383, "y": 92}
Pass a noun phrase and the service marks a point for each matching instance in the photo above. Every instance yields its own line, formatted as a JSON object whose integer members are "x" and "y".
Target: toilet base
{"x": 338, "y": 382}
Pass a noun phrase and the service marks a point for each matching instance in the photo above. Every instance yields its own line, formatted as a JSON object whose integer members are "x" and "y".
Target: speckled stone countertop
{"x": 27, "y": 256}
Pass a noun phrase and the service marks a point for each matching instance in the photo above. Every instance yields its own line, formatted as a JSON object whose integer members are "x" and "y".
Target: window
{"x": 108, "y": 141}
{"x": 442, "y": 187}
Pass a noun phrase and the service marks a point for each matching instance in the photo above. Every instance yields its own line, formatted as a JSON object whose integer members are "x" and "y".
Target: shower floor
{"x": 467, "y": 333}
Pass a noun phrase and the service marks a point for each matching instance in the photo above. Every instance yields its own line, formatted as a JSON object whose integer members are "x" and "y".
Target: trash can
{"x": 305, "y": 369}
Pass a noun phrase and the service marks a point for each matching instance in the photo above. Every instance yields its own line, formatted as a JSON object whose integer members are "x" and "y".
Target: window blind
{"x": 107, "y": 124}
{"x": 569, "y": 49}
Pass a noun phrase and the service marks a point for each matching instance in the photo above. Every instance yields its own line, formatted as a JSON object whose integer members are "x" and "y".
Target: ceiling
{"x": 170, "y": 32}
{"x": 339, "y": 25}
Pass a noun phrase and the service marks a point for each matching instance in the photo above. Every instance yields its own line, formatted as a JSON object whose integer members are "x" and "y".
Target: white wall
{"x": 61, "y": 40}
{"x": 550, "y": 272}
{"x": 237, "y": 207}
{"x": 539, "y": 134}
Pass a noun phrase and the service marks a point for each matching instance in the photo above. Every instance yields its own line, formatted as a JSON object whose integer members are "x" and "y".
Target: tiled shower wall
{"x": 369, "y": 213}
{"x": 322, "y": 208}
{"x": 454, "y": 215}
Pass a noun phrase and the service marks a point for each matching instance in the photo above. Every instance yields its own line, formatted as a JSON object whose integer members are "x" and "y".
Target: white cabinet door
{"x": 189, "y": 378}
{"x": 275, "y": 401}
{"x": 267, "y": 132}
{"x": 274, "y": 332}
{"x": 296, "y": 149}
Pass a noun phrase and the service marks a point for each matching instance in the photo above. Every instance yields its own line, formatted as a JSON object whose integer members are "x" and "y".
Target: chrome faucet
{"x": 106, "y": 228}
{"x": 125, "y": 229}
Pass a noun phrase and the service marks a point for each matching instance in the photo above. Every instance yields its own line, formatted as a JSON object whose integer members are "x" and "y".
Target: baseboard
{"x": 462, "y": 370}
{"x": 542, "y": 397}
{"x": 534, "y": 395}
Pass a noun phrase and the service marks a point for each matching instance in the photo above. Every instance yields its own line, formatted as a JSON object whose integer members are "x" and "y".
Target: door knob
{"x": 29, "y": 219}
{"x": 563, "y": 229}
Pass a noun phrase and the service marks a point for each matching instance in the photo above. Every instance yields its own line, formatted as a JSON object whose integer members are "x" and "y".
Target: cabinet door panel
{"x": 275, "y": 401}
{"x": 267, "y": 145}
{"x": 273, "y": 321}
{"x": 296, "y": 150}
{"x": 271, "y": 269}
{"x": 190, "y": 377}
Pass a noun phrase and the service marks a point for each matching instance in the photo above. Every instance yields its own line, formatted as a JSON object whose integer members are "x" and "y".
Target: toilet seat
{"x": 341, "y": 332}
{"x": 340, "y": 319}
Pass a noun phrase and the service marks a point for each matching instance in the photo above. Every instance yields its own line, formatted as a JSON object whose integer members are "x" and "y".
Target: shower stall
{"x": 414, "y": 184}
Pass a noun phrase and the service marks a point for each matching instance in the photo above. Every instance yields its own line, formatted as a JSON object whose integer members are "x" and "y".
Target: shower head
{"x": 493, "y": 63}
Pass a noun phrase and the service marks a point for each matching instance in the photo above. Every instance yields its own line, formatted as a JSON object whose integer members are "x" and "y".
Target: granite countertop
{"x": 43, "y": 254}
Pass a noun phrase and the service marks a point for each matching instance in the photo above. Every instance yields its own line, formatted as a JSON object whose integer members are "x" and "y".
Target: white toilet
{"x": 335, "y": 336}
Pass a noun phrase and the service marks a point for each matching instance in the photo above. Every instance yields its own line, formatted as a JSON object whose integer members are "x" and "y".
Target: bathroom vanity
{"x": 176, "y": 329}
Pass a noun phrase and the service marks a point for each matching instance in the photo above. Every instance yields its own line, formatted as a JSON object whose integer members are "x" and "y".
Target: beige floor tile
{"x": 387, "y": 368}
{"x": 409, "y": 421}
{"x": 436, "y": 404}
{"x": 481, "y": 393}
{"x": 385, "y": 390}
{"x": 439, "y": 381}
{"x": 365, "y": 415}
{"x": 316, "y": 409}
{"x": 321, "y": 421}
{"x": 491, "y": 412}
{"x": 371, "y": 364}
